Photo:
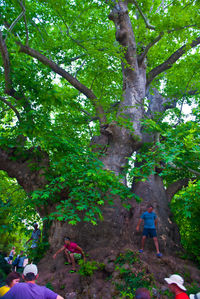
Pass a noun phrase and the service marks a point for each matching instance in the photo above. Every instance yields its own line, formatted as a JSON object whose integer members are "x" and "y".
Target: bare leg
{"x": 73, "y": 261}
{"x": 142, "y": 242}
{"x": 68, "y": 256}
{"x": 156, "y": 244}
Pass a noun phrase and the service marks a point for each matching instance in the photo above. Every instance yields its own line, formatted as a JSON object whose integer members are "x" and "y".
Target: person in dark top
{"x": 150, "y": 222}
{"x": 72, "y": 251}
{"x": 29, "y": 289}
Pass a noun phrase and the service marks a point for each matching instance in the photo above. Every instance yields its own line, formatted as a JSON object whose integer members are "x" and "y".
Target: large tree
{"x": 101, "y": 75}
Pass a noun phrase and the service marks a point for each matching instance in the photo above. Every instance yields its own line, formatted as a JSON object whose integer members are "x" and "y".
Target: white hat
{"x": 192, "y": 296}
{"x": 177, "y": 279}
{"x": 31, "y": 268}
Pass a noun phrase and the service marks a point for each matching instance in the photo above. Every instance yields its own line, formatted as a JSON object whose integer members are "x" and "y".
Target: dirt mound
{"x": 115, "y": 273}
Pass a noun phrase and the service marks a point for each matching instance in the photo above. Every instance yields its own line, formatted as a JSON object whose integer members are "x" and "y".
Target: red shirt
{"x": 182, "y": 296}
{"x": 72, "y": 247}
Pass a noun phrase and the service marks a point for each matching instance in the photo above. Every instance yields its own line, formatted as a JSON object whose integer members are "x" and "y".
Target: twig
{"x": 181, "y": 168}
{"x": 148, "y": 25}
{"x": 11, "y": 106}
{"x": 68, "y": 29}
{"x": 14, "y": 23}
{"x": 151, "y": 44}
{"x": 73, "y": 81}
{"x": 25, "y": 22}
{"x": 41, "y": 34}
{"x": 6, "y": 64}
{"x": 79, "y": 68}
{"x": 184, "y": 97}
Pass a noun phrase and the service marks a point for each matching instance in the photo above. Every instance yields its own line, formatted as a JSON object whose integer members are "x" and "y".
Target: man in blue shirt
{"x": 150, "y": 222}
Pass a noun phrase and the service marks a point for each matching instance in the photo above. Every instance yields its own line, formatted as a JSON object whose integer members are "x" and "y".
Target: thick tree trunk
{"x": 153, "y": 191}
{"x": 119, "y": 225}
{"x": 117, "y": 142}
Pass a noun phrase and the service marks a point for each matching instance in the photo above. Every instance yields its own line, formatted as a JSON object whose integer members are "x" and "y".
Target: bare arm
{"x": 59, "y": 297}
{"x": 81, "y": 251}
{"x": 138, "y": 225}
{"x": 60, "y": 250}
{"x": 156, "y": 221}
{"x": 29, "y": 240}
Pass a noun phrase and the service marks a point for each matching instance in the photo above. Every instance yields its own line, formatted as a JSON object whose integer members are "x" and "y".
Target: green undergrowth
{"x": 131, "y": 275}
{"x": 88, "y": 268}
{"x": 5, "y": 268}
{"x": 49, "y": 286}
{"x": 36, "y": 254}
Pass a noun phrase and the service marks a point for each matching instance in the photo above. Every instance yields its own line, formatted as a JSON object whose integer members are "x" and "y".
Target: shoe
{"x": 140, "y": 251}
{"x": 72, "y": 271}
{"x": 159, "y": 254}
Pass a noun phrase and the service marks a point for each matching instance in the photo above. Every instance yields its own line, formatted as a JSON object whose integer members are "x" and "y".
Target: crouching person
{"x": 29, "y": 289}
{"x": 72, "y": 251}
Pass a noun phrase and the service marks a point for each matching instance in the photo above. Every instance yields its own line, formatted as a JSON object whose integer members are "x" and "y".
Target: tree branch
{"x": 171, "y": 60}
{"x": 148, "y": 47}
{"x": 11, "y": 106}
{"x": 148, "y": 25}
{"x": 80, "y": 67}
{"x": 68, "y": 31}
{"x": 158, "y": 103}
{"x": 175, "y": 187}
{"x": 73, "y": 81}
{"x": 6, "y": 63}
{"x": 13, "y": 162}
{"x": 25, "y": 22}
{"x": 197, "y": 173}
{"x": 15, "y": 22}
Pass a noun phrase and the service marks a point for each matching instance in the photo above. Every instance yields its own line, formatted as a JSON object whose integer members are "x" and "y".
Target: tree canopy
{"x": 68, "y": 70}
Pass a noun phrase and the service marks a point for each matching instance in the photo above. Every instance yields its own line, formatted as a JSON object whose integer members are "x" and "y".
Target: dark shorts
{"x": 149, "y": 232}
{"x": 11, "y": 257}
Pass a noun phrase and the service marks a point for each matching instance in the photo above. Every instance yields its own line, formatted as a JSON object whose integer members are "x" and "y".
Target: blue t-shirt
{"x": 21, "y": 261}
{"x": 149, "y": 219}
{"x": 25, "y": 290}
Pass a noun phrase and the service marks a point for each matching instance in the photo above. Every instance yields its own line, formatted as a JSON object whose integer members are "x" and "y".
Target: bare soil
{"x": 102, "y": 284}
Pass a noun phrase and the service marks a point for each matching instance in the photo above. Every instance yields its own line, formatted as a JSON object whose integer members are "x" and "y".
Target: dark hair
{"x": 142, "y": 293}
{"x": 150, "y": 206}
{"x": 66, "y": 239}
{"x": 11, "y": 276}
{"x": 30, "y": 276}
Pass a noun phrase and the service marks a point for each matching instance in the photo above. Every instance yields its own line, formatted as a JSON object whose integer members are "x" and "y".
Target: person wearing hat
{"x": 175, "y": 283}
{"x": 195, "y": 296}
{"x": 29, "y": 289}
{"x": 35, "y": 237}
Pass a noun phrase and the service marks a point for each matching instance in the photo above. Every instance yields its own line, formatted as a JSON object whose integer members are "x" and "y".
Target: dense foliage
{"x": 60, "y": 72}
{"x": 186, "y": 208}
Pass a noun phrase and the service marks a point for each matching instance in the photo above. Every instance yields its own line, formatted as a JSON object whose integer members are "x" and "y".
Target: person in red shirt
{"x": 175, "y": 283}
{"x": 72, "y": 251}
